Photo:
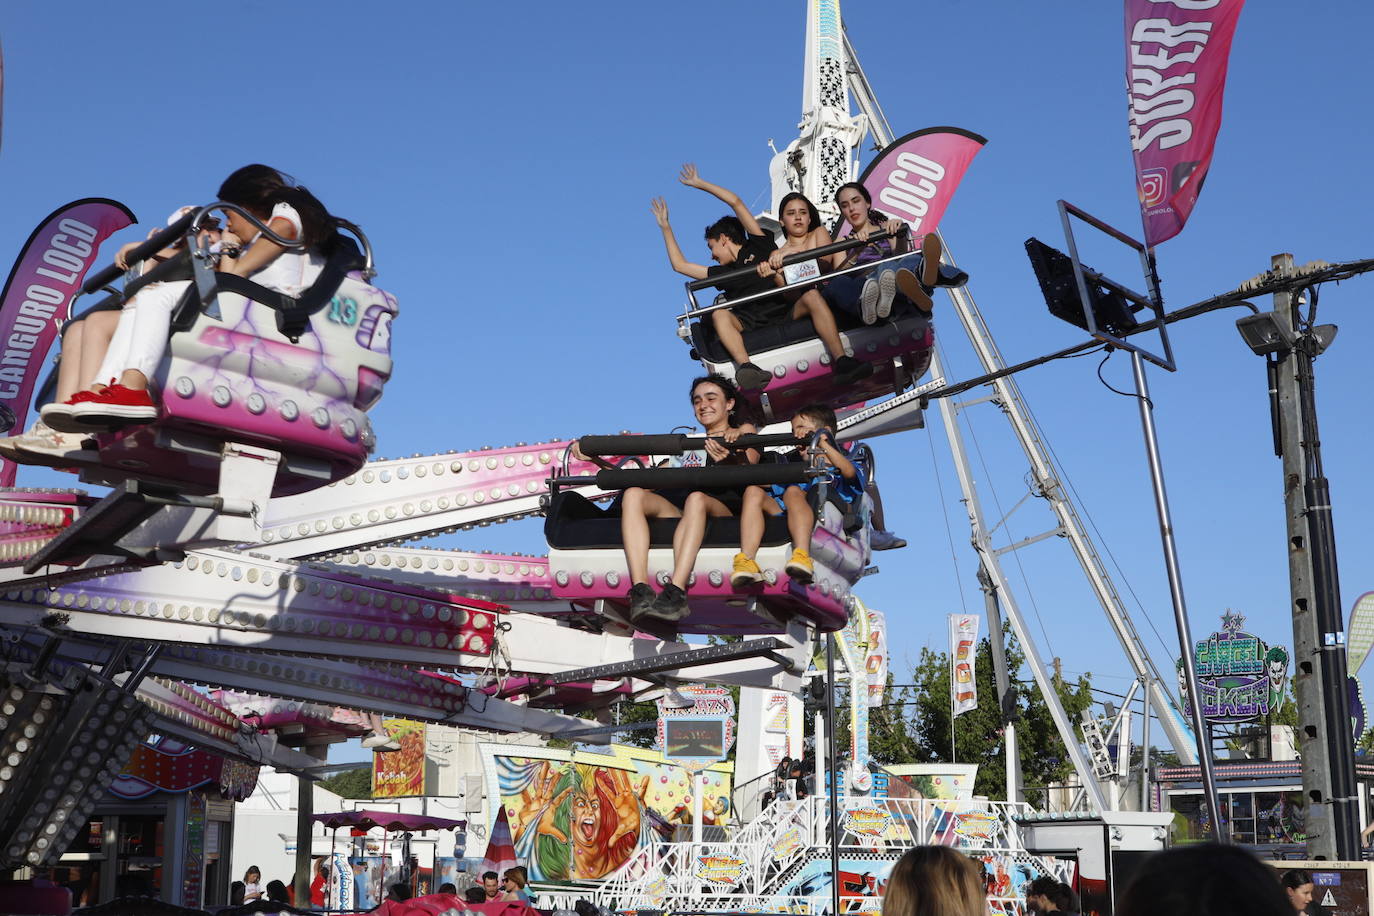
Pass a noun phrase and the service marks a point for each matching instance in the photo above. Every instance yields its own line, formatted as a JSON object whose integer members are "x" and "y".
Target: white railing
{"x": 758, "y": 869}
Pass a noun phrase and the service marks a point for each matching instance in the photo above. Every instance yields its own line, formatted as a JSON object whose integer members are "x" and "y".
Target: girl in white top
{"x": 252, "y": 884}
{"x": 290, "y": 211}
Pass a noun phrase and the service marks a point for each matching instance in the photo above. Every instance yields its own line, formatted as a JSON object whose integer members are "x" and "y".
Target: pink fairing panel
{"x": 236, "y": 378}
{"x": 583, "y": 576}
{"x": 802, "y": 374}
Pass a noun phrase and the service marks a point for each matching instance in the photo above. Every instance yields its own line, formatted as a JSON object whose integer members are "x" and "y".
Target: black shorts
{"x": 763, "y": 313}
{"x": 733, "y": 499}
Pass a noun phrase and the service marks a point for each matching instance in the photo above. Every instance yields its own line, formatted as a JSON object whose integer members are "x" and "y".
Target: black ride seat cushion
{"x": 574, "y": 522}
{"x": 761, "y": 340}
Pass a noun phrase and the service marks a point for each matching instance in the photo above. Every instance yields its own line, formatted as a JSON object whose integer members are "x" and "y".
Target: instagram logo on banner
{"x": 1154, "y": 184}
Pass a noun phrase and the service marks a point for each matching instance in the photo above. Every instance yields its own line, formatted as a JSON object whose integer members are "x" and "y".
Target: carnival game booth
{"x": 1262, "y": 803}
{"x": 587, "y": 562}
{"x": 262, "y": 395}
{"x": 898, "y": 347}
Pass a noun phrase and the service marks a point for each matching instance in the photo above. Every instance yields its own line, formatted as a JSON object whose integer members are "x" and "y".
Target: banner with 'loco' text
{"x": 1176, "y": 57}
{"x": 38, "y": 296}
{"x": 963, "y": 653}
{"x": 914, "y": 178}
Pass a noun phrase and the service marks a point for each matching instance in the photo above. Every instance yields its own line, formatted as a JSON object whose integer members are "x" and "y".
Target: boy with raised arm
{"x": 734, "y": 242}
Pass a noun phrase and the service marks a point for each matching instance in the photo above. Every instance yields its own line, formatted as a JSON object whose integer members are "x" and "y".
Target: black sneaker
{"x": 751, "y": 378}
{"x": 671, "y": 604}
{"x": 641, "y": 597}
{"x": 848, "y": 369}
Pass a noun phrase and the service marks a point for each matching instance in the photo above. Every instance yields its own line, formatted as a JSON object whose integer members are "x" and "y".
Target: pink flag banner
{"x": 914, "y": 178}
{"x": 37, "y": 299}
{"x": 1176, "y": 57}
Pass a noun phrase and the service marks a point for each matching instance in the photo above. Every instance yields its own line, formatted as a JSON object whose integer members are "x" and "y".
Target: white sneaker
{"x": 887, "y": 291}
{"x": 868, "y": 301}
{"x": 43, "y": 445}
{"x": 885, "y": 540}
{"x": 9, "y": 445}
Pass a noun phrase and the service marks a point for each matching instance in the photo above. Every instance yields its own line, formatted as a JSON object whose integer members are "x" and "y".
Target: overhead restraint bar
{"x": 716, "y": 476}
{"x": 675, "y": 443}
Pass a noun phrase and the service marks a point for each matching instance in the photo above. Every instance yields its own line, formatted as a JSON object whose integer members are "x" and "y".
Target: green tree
{"x": 979, "y": 734}
{"x": 354, "y": 783}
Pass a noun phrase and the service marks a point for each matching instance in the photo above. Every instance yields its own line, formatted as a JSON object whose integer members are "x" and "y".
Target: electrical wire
{"x": 1124, "y": 394}
{"x": 949, "y": 531}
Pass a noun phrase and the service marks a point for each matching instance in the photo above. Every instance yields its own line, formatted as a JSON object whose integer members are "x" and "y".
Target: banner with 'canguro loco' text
{"x": 914, "y": 178}
{"x": 1176, "y": 57}
{"x": 38, "y": 295}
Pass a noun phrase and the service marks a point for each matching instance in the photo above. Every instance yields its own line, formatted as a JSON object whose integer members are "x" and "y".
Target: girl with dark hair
{"x": 289, "y": 211}
{"x": 870, "y": 294}
{"x": 802, "y": 231}
{"x": 1297, "y": 883}
{"x": 713, "y": 402}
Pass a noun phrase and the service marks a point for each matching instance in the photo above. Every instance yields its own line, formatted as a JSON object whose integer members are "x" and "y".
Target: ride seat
{"x": 251, "y": 365}
{"x": 707, "y": 345}
{"x": 574, "y": 522}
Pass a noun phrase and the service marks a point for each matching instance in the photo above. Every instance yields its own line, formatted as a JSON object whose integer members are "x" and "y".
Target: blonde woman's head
{"x": 935, "y": 881}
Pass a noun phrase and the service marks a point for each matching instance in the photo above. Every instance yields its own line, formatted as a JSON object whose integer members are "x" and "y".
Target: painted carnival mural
{"x": 581, "y": 816}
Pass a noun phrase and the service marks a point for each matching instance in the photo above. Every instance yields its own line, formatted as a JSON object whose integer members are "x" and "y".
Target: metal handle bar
{"x": 696, "y": 312}
{"x": 674, "y": 443}
{"x": 368, "y": 270}
{"x": 187, "y": 225}
{"x": 798, "y": 258}
{"x": 729, "y": 475}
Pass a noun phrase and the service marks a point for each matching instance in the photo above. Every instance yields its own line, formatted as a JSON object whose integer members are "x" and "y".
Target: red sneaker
{"x": 58, "y": 415}
{"x": 116, "y": 406}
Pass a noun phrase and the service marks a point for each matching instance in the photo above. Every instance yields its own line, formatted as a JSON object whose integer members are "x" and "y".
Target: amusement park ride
{"x": 247, "y": 545}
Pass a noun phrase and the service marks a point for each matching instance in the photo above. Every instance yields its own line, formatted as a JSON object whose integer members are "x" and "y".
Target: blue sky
{"x": 502, "y": 157}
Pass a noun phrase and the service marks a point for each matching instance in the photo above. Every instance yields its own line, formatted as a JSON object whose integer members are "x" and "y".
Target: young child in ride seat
{"x": 844, "y": 476}
{"x": 287, "y": 209}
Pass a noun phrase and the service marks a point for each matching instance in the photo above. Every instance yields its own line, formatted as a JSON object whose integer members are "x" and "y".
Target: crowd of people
{"x": 1197, "y": 880}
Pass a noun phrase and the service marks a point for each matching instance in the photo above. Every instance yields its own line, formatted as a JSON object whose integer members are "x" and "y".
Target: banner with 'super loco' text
{"x": 38, "y": 296}
{"x": 914, "y": 178}
{"x": 1176, "y": 57}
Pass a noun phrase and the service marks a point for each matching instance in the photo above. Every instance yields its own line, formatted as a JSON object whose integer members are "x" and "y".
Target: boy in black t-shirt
{"x": 735, "y": 242}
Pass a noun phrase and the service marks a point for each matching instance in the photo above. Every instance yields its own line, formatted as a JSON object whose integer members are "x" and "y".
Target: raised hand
{"x": 626, "y": 801}
{"x": 689, "y": 176}
{"x": 660, "y": 208}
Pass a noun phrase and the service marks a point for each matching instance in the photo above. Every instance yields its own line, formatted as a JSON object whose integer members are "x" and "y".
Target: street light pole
{"x": 1319, "y": 678}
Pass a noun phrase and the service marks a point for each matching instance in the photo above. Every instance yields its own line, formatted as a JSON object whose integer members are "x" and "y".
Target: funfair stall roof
{"x": 390, "y": 821}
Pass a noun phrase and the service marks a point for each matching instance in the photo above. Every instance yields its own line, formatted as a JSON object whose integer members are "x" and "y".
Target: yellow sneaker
{"x": 800, "y": 568}
{"x": 746, "y": 572}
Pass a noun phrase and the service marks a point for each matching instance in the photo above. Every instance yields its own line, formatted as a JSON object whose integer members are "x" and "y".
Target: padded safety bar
{"x": 674, "y": 443}
{"x": 159, "y": 241}
{"x": 714, "y": 477}
{"x": 807, "y": 255}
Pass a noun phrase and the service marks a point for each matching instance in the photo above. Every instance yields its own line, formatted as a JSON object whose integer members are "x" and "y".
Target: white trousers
{"x": 140, "y": 339}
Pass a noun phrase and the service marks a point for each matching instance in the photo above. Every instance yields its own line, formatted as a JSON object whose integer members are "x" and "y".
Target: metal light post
{"x": 1185, "y": 636}
{"x": 1290, "y": 345}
